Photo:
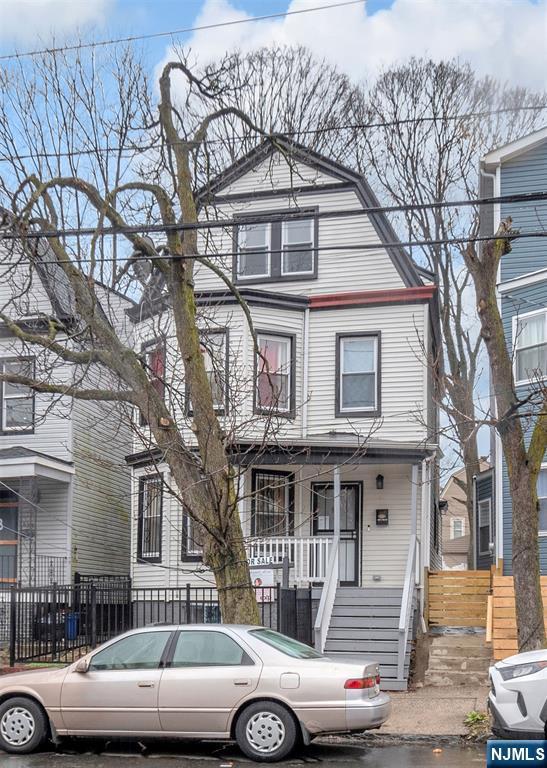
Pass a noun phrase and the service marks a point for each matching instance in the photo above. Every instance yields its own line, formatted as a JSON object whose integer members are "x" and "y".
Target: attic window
{"x": 279, "y": 251}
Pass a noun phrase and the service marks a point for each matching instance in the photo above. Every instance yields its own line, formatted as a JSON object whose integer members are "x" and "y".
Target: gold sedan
{"x": 251, "y": 684}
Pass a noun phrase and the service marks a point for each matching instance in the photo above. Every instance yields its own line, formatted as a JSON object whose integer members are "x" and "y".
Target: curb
{"x": 394, "y": 739}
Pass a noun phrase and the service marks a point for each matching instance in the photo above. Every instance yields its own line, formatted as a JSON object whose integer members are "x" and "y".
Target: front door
{"x": 350, "y": 515}
{"x": 119, "y": 692}
{"x": 8, "y": 538}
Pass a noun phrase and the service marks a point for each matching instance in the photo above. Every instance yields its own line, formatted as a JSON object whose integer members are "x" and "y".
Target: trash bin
{"x": 71, "y": 625}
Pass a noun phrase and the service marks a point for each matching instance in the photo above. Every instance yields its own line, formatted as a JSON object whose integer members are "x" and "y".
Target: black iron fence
{"x": 40, "y": 571}
{"x": 62, "y": 623}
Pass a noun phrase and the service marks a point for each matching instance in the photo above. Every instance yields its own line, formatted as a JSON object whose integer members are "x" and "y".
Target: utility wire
{"x": 252, "y": 220}
{"x": 171, "y": 33}
{"x": 350, "y": 247}
{"x": 131, "y": 150}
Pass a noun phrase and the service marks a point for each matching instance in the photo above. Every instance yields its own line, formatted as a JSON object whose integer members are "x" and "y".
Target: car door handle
{"x": 241, "y": 682}
{"x": 146, "y": 684}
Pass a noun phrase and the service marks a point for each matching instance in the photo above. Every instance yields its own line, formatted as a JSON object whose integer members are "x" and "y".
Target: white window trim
{"x": 268, "y": 243}
{"x": 452, "y": 521}
{"x": 353, "y": 408}
{"x": 284, "y": 242}
{"x": 489, "y": 502}
{"x": 288, "y": 341}
{"x": 514, "y": 323}
{"x": 4, "y": 397}
{"x": 541, "y": 533}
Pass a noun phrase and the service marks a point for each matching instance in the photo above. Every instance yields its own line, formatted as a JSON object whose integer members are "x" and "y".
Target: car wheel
{"x": 266, "y": 732}
{"x": 23, "y": 725}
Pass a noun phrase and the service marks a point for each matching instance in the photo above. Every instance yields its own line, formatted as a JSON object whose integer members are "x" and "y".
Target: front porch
{"x": 359, "y": 532}
{"x": 34, "y": 519}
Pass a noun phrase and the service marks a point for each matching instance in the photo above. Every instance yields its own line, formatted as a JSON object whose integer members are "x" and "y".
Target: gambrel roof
{"x": 408, "y": 270}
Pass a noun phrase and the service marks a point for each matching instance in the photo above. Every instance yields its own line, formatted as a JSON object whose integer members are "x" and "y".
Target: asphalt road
{"x": 212, "y": 755}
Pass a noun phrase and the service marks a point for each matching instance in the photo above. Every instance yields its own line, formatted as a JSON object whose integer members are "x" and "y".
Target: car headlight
{"x": 521, "y": 670}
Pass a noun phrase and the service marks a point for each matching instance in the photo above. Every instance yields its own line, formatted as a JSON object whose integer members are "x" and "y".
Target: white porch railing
{"x": 308, "y": 556}
{"x": 405, "y": 617}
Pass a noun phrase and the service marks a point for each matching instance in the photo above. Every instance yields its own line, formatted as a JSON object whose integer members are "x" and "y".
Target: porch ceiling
{"x": 24, "y": 462}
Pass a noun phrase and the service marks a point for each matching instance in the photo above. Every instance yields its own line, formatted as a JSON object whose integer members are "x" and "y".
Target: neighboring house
{"x": 64, "y": 494}
{"x": 485, "y": 520}
{"x": 344, "y": 333}
{"x": 455, "y": 521}
{"x": 520, "y": 167}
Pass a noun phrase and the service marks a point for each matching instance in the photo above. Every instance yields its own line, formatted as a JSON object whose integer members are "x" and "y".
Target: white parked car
{"x": 518, "y": 696}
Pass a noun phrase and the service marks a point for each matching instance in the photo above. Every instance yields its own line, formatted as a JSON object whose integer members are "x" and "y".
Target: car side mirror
{"x": 82, "y": 666}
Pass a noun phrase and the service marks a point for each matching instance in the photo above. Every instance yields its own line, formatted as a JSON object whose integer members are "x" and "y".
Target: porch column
{"x": 336, "y": 500}
{"x": 28, "y": 497}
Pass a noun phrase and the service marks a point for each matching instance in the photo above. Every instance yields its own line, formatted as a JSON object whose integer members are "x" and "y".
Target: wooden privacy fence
{"x": 504, "y": 624}
{"x": 458, "y": 598}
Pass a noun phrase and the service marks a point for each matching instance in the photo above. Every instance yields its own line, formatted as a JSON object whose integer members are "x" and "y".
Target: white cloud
{"x": 24, "y": 21}
{"x": 503, "y": 38}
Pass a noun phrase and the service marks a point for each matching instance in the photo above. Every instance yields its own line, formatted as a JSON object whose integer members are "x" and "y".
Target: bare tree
{"x": 523, "y": 463}
{"x": 439, "y": 119}
{"x": 63, "y": 175}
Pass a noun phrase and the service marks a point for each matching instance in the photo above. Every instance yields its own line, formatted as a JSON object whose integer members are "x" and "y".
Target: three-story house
{"x": 334, "y": 422}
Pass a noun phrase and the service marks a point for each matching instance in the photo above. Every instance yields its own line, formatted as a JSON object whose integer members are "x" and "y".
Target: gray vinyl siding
{"x": 521, "y": 300}
{"x": 526, "y": 173}
{"x": 484, "y": 489}
{"x": 101, "y": 501}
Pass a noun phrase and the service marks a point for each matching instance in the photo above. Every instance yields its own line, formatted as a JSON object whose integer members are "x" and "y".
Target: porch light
{"x": 380, "y": 482}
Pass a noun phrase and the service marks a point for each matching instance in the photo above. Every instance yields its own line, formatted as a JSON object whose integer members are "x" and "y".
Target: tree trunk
{"x": 521, "y": 471}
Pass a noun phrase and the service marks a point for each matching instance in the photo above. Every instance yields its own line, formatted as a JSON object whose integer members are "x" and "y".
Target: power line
{"x": 130, "y": 150}
{"x": 171, "y": 33}
{"x": 540, "y": 234}
{"x": 273, "y": 217}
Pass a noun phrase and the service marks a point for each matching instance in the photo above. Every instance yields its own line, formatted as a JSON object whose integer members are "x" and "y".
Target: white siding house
{"x": 64, "y": 491}
{"x": 350, "y": 326}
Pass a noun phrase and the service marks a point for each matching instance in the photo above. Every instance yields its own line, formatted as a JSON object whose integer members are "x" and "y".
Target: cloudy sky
{"x": 505, "y": 38}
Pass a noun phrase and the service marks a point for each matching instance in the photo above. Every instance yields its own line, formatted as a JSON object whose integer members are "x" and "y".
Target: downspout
{"x": 305, "y": 374}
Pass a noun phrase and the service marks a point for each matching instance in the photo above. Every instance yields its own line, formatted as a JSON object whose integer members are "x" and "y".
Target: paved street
{"x": 94, "y": 755}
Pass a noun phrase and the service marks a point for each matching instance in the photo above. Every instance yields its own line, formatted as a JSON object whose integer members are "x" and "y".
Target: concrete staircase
{"x": 365, "y": 622}
{"x": 458, "y": 659}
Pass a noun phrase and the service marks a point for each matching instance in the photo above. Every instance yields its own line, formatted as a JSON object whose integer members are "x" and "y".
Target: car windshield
{"x": 286, "y": 645}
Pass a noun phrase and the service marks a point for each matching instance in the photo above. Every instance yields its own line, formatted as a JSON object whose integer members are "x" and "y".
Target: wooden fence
{"x": 504, "y": 626}
{"x": 458, "y": 598}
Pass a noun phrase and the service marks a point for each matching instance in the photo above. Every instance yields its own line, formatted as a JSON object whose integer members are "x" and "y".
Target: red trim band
{"x": 362, "y": 298}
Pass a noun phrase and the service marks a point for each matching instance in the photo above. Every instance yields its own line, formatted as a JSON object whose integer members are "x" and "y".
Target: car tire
{"x": 266, "y": 732}
{"x": 23, "y": 725}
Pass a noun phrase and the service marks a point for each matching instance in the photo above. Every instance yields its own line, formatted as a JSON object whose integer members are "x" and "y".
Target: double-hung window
{"x": 150, "y": 518}
{"x": 192, "y": 538}
{"x": 272, "y": 503}
{"x": 357, "y": 369}
{"x": 530, "y": 346}
{"x": 153, "y": 360}
{"x": 275, "y": 374}
{"x": 277, "y": 251}
{"x": 542, "y": 501}
{"x": 214, "y": 347}
{"x": 17, "y": 399}
{"x": 297, "y": 254}
{"x": 254, "y": 255}
{"x": 485, "y": 525}
{"x": 457, "y": 528}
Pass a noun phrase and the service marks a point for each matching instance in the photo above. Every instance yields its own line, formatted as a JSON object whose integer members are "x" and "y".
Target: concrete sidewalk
{"x": 433, "y": 711}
